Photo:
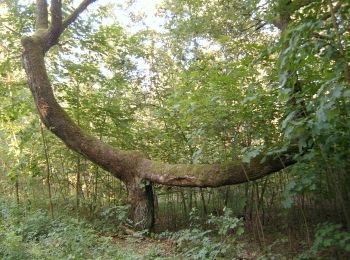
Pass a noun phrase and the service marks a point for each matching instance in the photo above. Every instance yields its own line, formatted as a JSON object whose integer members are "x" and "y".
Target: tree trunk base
{"x": 141, "y": 202}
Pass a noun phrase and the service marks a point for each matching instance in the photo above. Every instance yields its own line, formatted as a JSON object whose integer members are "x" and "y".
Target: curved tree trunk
{"x": 132, "y": 168}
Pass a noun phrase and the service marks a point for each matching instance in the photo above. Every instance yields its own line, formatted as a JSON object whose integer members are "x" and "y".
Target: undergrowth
{"x": 219, "y": 239}
{"x": 34, "y": 234}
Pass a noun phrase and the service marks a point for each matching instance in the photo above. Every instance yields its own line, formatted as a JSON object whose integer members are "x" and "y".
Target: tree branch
{"x": 56, "y": 15}
{"x": 57, "y": 24}
{"x": 41, "y": 21}
{"x": 55, "y": 29}
{"x": 213, "y": 175}
{"x": 74, "y": 15}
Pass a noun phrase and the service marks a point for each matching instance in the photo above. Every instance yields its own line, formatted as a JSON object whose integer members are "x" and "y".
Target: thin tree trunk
{"x": 48, "y": 168}
{"x": 203, "y": 202}
{"x": 191, "y": 199}
{"x": 17, "y": 189}
{"x": 77, "y": 184}
{"x": 183, "y": 198}
{"x": 227, "y": 190}
{"x": 96, "y": 188}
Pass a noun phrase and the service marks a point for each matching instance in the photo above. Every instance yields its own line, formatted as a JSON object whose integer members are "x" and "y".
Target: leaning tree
{"x": 133, "y": 168}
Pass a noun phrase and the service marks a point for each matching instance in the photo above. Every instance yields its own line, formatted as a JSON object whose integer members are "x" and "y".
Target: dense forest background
{"x": 219, "y": 81}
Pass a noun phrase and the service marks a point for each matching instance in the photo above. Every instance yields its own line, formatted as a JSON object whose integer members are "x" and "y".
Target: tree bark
{"x": 141, "y": 203}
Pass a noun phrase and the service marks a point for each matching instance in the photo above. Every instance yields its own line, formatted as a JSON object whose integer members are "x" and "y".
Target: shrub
{"x": 196, "y": 243}
{"x": 329, "y": 236}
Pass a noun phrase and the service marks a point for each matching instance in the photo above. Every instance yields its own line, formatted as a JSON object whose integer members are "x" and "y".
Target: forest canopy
{"x": 140, "y": 119}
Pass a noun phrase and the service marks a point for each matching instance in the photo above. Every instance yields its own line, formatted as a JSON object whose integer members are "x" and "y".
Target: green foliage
{"x": 37, "y": 226}
{"x": 154, "y": 252}
{"x": 227, "y": 223}
{"x": 12, "y": 246}
{"x": 271, "y": 254}
{"x": 317, "y": 107}
{"x": 116, "y": 212}
{"x": 250, "y": 153}
{"x": 38, "y": 236}
{"x": 197, "y": 243}
{"x": 331, "y": 236}
{"x": 112, "y": 217}
{"x": 330, "y": 239}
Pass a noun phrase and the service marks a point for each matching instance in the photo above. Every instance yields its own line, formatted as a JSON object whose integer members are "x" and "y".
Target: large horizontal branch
{"x": 213, "y": 175}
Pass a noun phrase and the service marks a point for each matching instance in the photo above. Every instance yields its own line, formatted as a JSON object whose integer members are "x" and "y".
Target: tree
{"x": 133, "y": 168}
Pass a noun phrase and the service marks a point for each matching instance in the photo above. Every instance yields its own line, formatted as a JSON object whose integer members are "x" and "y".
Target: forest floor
{"x": 156, "y": 247}
{"x": 34, "y": 234}
{"x": 38, "y": 236}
